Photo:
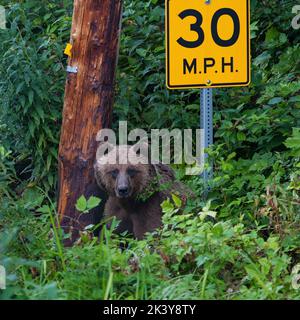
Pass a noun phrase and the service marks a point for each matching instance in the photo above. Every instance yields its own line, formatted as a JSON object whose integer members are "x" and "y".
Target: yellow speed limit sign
{"x": 208, "y": 43}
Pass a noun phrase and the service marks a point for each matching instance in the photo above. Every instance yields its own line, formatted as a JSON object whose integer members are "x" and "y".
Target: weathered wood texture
{"x": 88, "y": 104}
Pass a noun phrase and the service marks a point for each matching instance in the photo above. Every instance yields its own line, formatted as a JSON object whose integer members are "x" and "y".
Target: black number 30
{"x": 214, "y": 28}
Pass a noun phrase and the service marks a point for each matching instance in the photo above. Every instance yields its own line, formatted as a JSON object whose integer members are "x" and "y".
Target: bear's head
{"x": 123, "y": 171}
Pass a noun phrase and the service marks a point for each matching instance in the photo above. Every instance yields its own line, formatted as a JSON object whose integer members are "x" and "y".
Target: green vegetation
{"x": 242, "y": 244}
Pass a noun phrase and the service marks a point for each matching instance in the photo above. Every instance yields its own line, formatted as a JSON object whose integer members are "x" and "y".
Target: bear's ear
{"x": 163, "y": 171}
{"x": 98, "y": 177}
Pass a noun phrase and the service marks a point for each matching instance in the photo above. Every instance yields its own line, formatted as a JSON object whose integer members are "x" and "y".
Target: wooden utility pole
{"x": 88, "y": 104}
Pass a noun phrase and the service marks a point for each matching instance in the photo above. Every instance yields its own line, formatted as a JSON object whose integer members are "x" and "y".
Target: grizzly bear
{"x": 135, "y": 190}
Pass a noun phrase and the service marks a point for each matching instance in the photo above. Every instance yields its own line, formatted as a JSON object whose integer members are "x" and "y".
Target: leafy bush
{"x": 192, "y": 257}
{"x": 32, "y": 86}
{"x": 7, "y": 172}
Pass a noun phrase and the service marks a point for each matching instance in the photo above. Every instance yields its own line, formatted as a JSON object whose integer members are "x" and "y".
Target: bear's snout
{"x": 123, "y": 192}
{"x": 123, "y": 189}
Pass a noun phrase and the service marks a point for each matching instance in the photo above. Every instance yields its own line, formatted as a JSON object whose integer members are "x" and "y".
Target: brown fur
{"x": 150, "y": 185}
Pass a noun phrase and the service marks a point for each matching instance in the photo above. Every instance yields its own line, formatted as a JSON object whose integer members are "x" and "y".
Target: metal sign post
{"x": 206, "y": 123}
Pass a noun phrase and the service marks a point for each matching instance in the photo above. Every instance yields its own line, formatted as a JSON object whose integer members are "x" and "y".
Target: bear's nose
{"x": 123, "y": 191}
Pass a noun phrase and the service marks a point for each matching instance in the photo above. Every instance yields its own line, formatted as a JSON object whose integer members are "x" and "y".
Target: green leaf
{"x": 241, "y": 136}
{"x": 294, "y": 142}
{"x": 141, "y": 52}
{"x": 93, "y": 202}
{"x": 30, "y": 97}
{"x": 275, "y": 100}
{"x": 167, "y": 207}
{"x": 44, "y": 209}
{"x": 177, "y": 201}
{"x": 81, "y": 204}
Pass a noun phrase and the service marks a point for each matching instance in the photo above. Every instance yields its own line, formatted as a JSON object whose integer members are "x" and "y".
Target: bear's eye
{"x": 114, "y": 173}
{"x": 132, "y": 172}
